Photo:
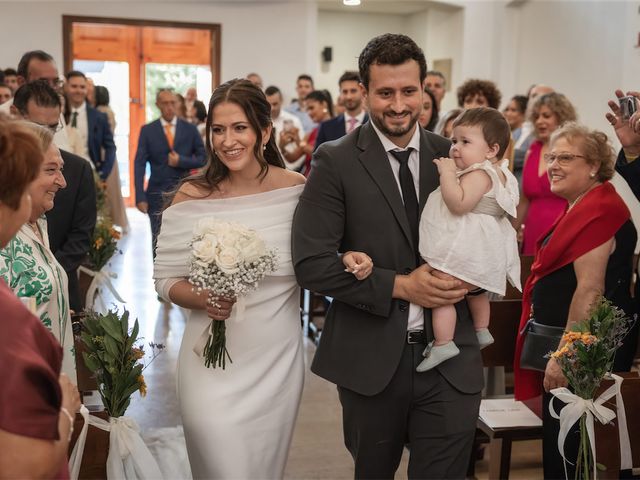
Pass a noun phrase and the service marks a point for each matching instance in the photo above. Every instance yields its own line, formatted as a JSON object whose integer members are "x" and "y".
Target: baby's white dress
{"x": 479, "y": 247}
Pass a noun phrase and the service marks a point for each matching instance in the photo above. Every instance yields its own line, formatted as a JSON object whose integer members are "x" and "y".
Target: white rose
{"x": 252, "y": 248}
{"x": 230, "y": 238}
{"x": 204, "y": 226}
{"x": 228, "y": 259}
{"x": 205, "y": 249}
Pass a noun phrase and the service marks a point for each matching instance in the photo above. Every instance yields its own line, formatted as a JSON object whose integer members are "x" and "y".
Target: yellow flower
{"x": 142, "y": 386}
{"x": 571, "y": 337}
{"x": 588, "y": 339}
{"x": 99, "y": 242}
{"x": 563, "y": 352}
{"x": 138, "y": 353}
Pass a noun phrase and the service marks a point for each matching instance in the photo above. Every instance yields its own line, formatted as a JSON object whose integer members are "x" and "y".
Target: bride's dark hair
{"x": 258, "y": 111}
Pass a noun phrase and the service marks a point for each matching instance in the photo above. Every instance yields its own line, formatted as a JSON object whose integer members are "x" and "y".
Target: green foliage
{"x": 160, "y": 75}
{"x": 104, "y": 243}
{"x": 114, "y": 359}
{"x": 585, "y": 357}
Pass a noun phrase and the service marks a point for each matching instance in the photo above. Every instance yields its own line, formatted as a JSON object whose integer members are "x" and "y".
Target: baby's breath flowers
{"x": 227, "y": 260}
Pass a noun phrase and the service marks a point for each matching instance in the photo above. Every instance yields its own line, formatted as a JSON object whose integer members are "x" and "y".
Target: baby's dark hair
{"x": 495, "y": 128}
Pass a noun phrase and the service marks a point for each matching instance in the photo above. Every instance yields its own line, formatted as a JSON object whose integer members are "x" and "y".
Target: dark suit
{"x": 333, "y": 129}
{"x": 153, "y": 147}
{"x": 99, "y": 138}
{"x": 630, "y": 172}
{"x": 352, "y": 202}
{"x": 71, "y": 221}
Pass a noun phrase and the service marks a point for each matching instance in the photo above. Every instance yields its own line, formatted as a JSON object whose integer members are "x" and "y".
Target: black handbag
{"x": 539, "y": 341}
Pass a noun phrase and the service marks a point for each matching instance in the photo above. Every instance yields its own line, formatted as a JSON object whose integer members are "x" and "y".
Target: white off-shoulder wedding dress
{"x": 238, "y": 422}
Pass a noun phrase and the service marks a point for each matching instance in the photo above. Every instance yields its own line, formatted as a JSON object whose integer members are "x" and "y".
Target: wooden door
{"x": 138, "y": 42}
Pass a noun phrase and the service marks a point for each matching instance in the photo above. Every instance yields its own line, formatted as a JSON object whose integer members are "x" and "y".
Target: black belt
{"x": 416, "y": 336}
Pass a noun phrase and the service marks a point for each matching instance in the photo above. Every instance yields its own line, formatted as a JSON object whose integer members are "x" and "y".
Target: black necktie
{"x": 74, "y": 119}
{"x": 408, "y": 193}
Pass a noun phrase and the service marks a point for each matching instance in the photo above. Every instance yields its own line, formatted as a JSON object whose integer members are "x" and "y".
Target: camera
{"x": 628, "y": 106}
{"x": 287, "y": 125}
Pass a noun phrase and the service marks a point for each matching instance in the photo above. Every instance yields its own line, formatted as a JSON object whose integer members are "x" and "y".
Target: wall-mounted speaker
{"x": 327, "y": 54}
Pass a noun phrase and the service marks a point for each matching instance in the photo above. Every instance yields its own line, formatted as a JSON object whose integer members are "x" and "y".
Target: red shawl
{"x": 591, "y": 222}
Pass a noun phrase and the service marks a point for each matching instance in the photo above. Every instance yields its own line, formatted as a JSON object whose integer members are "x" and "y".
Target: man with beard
{"x": 354, "y": 114}
{"x": 366, "y": 195}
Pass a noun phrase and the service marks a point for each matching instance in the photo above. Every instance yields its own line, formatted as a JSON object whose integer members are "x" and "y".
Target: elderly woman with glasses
{"x": 587, "y": 252}
{"x": 28, "y": 265}
{"x": 37, "y": 404}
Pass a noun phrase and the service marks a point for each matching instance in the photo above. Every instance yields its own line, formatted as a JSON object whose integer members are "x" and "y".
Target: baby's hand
{"x": 358, "y": 263}
{"x": 445, "y": 164}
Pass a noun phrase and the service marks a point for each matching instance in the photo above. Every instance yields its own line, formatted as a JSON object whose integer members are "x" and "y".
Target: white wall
{"x": 275, "y": 40}
{"x": 347, "y": 34}
{"x": 579, "y": 48}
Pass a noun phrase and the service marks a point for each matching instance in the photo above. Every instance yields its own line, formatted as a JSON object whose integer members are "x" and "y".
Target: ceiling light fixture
{"x": 351, "y": 3}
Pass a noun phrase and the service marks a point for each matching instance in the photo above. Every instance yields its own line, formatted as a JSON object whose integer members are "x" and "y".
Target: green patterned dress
{"x": 31, "y": 271}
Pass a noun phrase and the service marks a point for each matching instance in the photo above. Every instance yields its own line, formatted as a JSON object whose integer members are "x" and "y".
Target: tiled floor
{"x": 317, "y": 450}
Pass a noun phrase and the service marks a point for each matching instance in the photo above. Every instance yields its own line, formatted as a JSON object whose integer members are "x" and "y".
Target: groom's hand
{"x": 428, "y": 288}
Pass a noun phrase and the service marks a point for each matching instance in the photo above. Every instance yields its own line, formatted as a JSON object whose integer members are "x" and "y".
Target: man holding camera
{"x": 625, "y": 119}
{"x": 288, "y": 130}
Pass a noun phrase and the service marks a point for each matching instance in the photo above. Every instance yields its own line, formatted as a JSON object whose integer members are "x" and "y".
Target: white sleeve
{"x": 163, "y": 285}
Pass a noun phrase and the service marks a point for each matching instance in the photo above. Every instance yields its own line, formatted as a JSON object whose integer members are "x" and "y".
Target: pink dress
{"x": 544, "y": 206}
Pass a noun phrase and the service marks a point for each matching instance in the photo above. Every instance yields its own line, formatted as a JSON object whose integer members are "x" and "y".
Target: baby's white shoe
{"x": 436, "y": 354}
{"x": 484, "y": 337}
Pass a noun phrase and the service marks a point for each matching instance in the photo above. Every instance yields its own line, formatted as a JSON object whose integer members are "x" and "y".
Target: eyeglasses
{"x": 563, "y": 159}
{"x": 53, "y": 128}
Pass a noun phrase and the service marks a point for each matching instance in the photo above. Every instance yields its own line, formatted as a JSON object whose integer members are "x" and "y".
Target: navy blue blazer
{"x": 153, "y": 148}
{"x": 333, "y": 129}
{"x": 100, "y": 137}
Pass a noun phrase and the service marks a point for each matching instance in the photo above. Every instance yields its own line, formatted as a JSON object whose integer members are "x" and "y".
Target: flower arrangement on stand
{"x": 586, "y": 357}
{"x": 227, "y": 259}
{"x": 104, "y": 245}
{"x": 114, "y": 355}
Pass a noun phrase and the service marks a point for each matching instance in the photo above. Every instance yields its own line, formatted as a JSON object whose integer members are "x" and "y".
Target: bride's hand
{"x": 219, "y": 308}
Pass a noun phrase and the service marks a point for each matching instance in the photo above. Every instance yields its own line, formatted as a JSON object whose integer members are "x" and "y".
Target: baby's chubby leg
{"x": 480, "y": 313}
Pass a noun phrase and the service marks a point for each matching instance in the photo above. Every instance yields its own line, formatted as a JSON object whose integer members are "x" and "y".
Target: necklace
{"x": 579, "y": 197}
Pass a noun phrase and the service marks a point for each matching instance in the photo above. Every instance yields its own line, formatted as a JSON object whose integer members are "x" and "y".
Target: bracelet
{"x": 66, "y": 412}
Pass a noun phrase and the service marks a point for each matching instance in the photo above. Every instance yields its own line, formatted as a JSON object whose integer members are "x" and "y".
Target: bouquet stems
{"x": 215, "y": 351}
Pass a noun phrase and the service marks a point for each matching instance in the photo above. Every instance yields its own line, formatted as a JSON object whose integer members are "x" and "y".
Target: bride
{"x": 238, "y": 422}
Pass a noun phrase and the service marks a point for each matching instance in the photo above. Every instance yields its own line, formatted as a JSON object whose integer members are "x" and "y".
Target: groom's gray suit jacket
{"x": 352, "y": 202}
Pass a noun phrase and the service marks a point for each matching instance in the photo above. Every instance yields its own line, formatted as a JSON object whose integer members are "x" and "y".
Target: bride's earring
{"x": 592, "y": 175}
{"x": 264, "y": 147}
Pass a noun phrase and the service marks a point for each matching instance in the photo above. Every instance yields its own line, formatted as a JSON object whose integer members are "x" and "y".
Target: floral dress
{"x": 29, "y": 268}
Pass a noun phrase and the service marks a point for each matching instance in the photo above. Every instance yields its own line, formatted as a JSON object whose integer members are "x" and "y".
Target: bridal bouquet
{"x": 585, "y": 357}
{"x": 227, "y": 259}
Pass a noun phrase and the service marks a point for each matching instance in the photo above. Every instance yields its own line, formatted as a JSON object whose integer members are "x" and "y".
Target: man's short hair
{"x": 162, "y": 90}
{"x": 75, "y": 73}
{"x": 495, "y": 128}
{"x": 10, "y": 72}
{"x": 390, "y": 49}
{"x": 272, "y": 90}
{"x": 40, "y": 92}
{"x": 306, "y": 77}
{"x": 23, "y": 66}
{"x": 349, "y": 76}
{"x": 436, "y": 73}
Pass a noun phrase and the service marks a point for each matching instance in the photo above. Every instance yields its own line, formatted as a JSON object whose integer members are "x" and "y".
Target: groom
{"x": 366, "y": 194}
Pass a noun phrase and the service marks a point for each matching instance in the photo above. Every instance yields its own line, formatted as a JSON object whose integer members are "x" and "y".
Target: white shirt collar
{"x": 81, "y": 109}
{"x": 359, "y": 117}
{"x": 173, "y": 122}
{"x": 389, "y": 145}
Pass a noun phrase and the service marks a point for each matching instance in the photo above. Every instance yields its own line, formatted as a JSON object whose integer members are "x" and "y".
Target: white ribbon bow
{"x": 102, "y": 276}
{"x": 576, "y": 407}
{"x": 129, "y": 457}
